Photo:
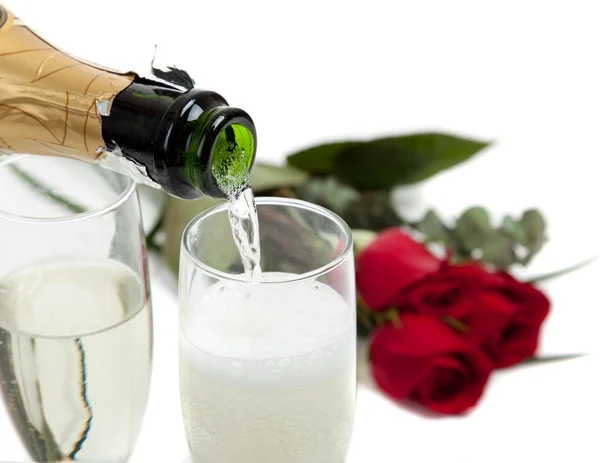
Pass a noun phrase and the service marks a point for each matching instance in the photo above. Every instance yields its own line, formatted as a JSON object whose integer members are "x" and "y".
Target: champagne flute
{"x": 268, "y": 367}
{"x": 75, "y": 313}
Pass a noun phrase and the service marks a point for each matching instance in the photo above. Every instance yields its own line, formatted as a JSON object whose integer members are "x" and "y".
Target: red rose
{"x": 429, "y": 362}
{"x": 499, "y": 313}
{"x": 390, "y": 263}
{"x": 450, "y": 291}
{"x": 521, "y": 307}
{"x": 502, "y": 315}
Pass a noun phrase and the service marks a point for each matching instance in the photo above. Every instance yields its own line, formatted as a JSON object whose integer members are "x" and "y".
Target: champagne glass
{"x": 75, "y": 313}
{"x": 268, "y": 367}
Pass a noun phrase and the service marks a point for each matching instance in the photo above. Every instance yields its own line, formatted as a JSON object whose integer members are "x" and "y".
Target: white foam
{"x": 254, "y": 321}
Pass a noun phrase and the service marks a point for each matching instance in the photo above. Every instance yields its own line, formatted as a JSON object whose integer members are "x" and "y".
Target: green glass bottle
{"x": 191, "y": 143}
{"x": 186, "y": 141}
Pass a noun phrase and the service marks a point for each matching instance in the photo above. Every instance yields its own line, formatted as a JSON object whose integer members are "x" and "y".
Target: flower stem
{"x": 456, "y": 324}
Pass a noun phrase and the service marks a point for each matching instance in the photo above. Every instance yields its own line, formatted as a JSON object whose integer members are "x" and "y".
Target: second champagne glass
{"x": 75, "y": 314}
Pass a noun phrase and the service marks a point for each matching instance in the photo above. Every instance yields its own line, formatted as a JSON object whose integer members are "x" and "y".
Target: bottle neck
{"x": 131, "y": 127}
{"x": 191, "y": 143}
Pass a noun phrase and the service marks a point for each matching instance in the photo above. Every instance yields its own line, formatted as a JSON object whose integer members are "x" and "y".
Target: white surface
{"x": 524, "y": 73}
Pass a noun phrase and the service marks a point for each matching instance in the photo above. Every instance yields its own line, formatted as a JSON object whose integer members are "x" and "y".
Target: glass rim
{"x": 270, "y": 200}
{"x": 122, "y": 197}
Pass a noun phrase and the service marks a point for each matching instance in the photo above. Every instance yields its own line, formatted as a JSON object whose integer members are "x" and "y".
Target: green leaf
{"x": 319, "y": 159}
{"x": 534, "y": 227}
{"x": 473, "y": 228}
{"x": 552, "y": 358}
{"x": 434, "y": 229}
{"x": 35, "y": 183}
{"x": 513, "y": 229}
{"x": 328, "y": 192}
{"x": 178, "y": 214}
{"x": 498, "y": 251}
{"x": 369, "y": 210}
{"x": 561, "y": 272}
{"x": 372, "y": 210}
{"x": 387, "y": 162}
{"x": 265, "y": 177}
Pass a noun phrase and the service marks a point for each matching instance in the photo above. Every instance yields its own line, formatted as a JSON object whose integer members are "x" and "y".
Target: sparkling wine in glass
{"x": 75, "y": 313}
{"x": 268, "y": 359}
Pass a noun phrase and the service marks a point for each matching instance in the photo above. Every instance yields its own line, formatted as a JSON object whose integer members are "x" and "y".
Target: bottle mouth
{"x": 230, "y": 148}
{"x": 204, "y": 147}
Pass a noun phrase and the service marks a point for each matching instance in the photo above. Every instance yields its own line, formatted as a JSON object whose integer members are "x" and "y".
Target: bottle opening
{"x": 232, "y": 156}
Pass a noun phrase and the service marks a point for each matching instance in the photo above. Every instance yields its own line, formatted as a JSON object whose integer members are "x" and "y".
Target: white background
{"x": 522, "y": 73}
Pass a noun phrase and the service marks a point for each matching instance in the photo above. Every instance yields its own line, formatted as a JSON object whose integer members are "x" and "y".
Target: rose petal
{"x": 428, "y": 361}
{"x": 475, "y": 376}
{"x": 519, "y": 342}
{"x": 517, "y": 338}
{"x": 390, "y": 263}
{"x": 420, "y": 336}
{"x": 453, "y": 291}
{"x": 445, "y": 369}
{"x": 397, "y": 377}
{"x": 492, "y": 315}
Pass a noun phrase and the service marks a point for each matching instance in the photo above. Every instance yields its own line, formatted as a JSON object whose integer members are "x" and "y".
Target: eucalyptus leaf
{"x": 319, "y": 159}
{"x": 178, "y": 214}
{"x": 514, "y": 229}
{"x": 328, "y": 192}
{"x": 434, "y": 228}
{"x": 534, "y": 227}
{"x": 264, "y": 177}
{"x": 498, "y": 250}
{"x": 387, "y": 162}
{"x": 473, "y": 228}
{"x": 372, "y": 210}
{"x": 368, "y": 210}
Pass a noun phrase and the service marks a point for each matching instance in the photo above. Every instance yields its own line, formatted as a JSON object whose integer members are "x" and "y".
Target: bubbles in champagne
{"x": 268, "y": 372}
{"x": 75, "y": 353}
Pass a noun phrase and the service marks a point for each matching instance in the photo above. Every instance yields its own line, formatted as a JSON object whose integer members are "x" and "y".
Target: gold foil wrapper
{"x": 49, "y": 100}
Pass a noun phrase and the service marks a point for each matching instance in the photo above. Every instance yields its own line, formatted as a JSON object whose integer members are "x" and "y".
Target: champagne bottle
{"x": 187, "y": 141}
